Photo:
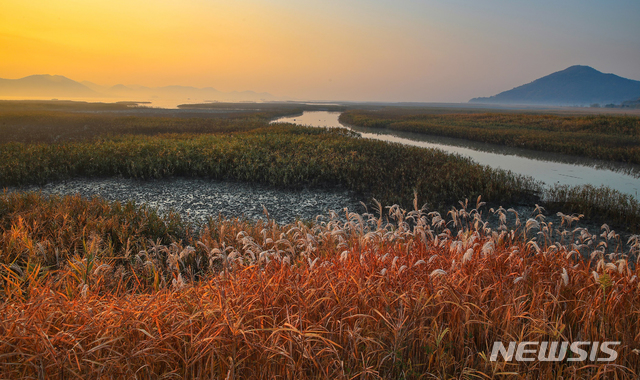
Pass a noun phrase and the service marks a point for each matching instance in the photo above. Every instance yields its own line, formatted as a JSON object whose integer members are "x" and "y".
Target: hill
{"x": 44, "y": 86}
{"x": 57, "y": 86}
{"x": 576, "y": 85}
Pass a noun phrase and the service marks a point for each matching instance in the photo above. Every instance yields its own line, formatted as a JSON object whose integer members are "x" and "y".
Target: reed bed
{"x": 614, "y": 138}
{"x": 64, "y": 121}
{"x": 279, "y": 155}
{"x": 391, "y": 294}
{"x": 52, "y": 228}
{"x": 601, "y": 203}
{"x": 52, "y": 126}
{"x": 48, "y": 141}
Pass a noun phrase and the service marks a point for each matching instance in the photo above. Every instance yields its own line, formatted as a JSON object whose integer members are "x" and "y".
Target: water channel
{"x": 550, "y": 168}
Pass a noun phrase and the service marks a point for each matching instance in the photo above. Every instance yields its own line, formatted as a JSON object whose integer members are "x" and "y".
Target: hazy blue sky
{"x": 334, "y": 50}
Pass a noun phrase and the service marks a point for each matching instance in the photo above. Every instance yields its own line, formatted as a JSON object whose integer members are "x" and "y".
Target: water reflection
{"x": 547, "y": 167}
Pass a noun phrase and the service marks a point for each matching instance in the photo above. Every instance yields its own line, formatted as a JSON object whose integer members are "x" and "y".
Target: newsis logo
{"x": 555, "y": 351}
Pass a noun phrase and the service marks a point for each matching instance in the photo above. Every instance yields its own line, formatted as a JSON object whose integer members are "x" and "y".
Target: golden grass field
{"x": 387, "y": 294}
{"x": 96, "y": 289}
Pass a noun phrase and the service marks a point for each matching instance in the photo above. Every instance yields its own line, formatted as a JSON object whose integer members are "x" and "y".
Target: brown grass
{"x": 397, "y": 294}
{"x": 65, "y": 121}
{"x": 58, "y": 127}
{"x": 606, "y": 137}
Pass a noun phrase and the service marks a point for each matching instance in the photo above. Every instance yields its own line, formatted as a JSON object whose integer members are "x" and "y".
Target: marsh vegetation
{"x": 605, "y": 137}
{"x": 97, "y": 289}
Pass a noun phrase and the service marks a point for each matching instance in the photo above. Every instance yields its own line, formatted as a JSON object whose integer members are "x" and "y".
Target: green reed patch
{"x": 283, "y": 156}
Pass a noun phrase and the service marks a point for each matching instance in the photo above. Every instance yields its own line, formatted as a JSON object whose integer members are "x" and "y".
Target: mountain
{"x": 576, "y": 85}
{"x": 57, "y": 86}
{"x": 45, "y": 86}
{"x": 94, "y": 87}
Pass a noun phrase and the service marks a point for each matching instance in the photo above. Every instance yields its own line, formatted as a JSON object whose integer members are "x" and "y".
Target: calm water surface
{"x": 549, "y": 168}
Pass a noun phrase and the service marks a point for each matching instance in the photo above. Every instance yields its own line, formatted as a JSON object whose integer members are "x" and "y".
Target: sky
{"x": 374, "y": 50}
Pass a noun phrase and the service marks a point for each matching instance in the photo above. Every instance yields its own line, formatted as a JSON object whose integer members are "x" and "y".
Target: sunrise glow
{"x": 355, "y": 50}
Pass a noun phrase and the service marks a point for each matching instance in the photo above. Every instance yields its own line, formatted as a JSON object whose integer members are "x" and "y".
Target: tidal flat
{"x": 197, "y": 199}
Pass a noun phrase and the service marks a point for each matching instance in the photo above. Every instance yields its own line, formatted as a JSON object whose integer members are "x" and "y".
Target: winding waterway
{"x": 550, "y": 168}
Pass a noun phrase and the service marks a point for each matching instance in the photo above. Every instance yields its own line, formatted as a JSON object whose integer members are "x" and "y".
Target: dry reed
{"x": 389, "y": 294}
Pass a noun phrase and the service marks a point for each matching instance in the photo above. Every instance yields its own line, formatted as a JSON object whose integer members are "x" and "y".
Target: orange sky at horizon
{"x": 354, "y": 50}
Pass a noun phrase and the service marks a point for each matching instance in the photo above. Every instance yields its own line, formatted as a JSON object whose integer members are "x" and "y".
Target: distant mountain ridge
{"x": 576, "y": 85}
{"x": 57, "y": 86}
{"x": 45, "y": 85}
